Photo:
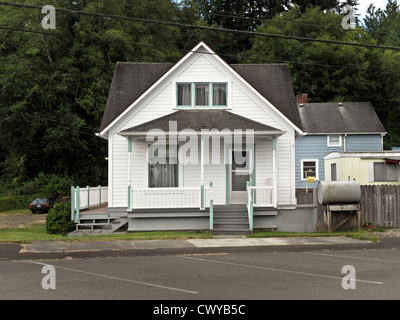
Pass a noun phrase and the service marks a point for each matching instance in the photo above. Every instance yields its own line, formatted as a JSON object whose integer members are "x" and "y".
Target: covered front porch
{"x": 195, "y": 176}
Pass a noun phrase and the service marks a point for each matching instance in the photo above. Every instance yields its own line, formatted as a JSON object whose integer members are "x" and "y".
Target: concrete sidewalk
{"x": 45, "y": 246}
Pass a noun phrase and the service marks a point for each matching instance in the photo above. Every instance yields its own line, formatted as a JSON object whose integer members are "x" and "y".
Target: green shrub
{"x": 51, "y": 184}
{"x": 58, "y": 221}
{"x": 13, "y": 202}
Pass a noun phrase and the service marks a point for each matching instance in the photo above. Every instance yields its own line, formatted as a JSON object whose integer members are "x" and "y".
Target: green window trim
{"x": 191, "y": 95}
{"x": 193, "y": 90}
{"x": 212, "y": 95}
{"x": 177, "y": 168}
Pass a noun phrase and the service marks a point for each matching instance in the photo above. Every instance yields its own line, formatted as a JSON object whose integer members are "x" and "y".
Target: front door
{"x": 240, "y": 174}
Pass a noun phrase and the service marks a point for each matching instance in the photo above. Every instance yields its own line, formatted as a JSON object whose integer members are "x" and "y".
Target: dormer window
{"x": 201, "y": 95}
{"x": 184, "y": 94}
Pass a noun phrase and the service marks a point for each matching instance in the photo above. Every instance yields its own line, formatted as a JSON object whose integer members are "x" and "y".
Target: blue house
{"x": 329, "y": 127}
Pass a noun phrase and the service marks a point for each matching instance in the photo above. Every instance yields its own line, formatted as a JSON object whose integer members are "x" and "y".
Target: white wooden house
{"x": 175, "y": 129}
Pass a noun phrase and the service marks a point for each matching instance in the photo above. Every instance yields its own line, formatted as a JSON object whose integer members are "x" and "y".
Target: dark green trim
{"x": 129, "y": 144}
{"x": 210, "y": 95}
{"x": 227, "y": 175}
{"x": 274, "y": 143}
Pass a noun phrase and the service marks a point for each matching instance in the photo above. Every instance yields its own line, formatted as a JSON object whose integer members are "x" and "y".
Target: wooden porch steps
{"x": 100, "y": 222}
{"x": 231, "y": 220}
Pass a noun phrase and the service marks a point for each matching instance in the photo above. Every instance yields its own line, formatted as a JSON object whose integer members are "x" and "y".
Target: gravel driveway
{"x": 21, "y": 220}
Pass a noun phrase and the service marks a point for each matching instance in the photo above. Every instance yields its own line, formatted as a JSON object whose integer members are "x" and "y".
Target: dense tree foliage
{"x": 54, "y": 83}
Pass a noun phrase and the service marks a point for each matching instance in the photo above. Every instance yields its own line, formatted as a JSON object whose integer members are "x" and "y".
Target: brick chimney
{"x": 302, "y": 98}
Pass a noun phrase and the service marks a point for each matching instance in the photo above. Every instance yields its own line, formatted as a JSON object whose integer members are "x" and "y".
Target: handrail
{"x": 211, "y": 198}
{"x": 249, "y": 204}
{"x": 263, "y": 196}
{"x": 85, "y": 198}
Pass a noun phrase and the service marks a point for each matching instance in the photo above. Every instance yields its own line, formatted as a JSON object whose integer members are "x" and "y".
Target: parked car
{"x": 41, "y": 204}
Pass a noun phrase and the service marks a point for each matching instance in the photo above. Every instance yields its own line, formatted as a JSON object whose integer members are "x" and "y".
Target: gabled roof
{"x": 129, "y": 82}
{"x": 274, "y": 83}
{"x": 202, "y": 119}
{"x": 132, "y": 80}
{"x": 333, "y": 117}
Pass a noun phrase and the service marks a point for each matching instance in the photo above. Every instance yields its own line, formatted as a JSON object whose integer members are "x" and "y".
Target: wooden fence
{"x": 380, "y": 205}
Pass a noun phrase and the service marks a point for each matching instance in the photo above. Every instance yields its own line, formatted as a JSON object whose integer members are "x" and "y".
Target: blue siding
{"x": 316, "y": 147}
{"x": 360, "y": 142}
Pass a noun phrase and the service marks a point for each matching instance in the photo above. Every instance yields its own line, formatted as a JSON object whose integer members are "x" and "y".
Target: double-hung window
{"x": 163, "y": 168}
{"x": 334, "y": 140}
{"x": 202, "y": 95}
{"x": 184, "y": 92}
{"x": 309, "y": 168}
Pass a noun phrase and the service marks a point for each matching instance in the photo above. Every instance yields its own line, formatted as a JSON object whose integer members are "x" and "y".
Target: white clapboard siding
{"x": 251, "y": 108}
{"x": 161, "y": 101}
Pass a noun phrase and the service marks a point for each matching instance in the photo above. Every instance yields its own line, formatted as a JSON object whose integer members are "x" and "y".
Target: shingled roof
{"x": 274, "y": 83}
{"x": 131, "y": 80}
{"x": 203, "y": 119}
{"x": 346, "y": 117}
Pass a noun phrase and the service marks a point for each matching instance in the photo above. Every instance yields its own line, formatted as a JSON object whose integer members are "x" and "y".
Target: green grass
{"x": 37, "y": 232}
{"x": 16, "y": 211}
{"x": 352, "y": 233}
{"x": 33, "y": 232}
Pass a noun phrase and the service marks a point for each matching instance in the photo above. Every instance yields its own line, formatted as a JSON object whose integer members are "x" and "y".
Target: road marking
{"x": 120, "y": 279}
{"x": 205, "y": 254}
{"x": 274, "y": 269}
{"x": 352, "y": 257}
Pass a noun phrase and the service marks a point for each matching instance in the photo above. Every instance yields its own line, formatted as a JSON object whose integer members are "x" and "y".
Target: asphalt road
{"x": 212, "y": 274}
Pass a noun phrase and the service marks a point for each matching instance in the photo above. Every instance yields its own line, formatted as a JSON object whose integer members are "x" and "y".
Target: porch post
{"x": 274, "y": 173}
{"x": 72, "y": 202}
{"x": 129, "y": 172}
{"x": 202, "y": 206}
{"x": 211, "y": 208}
{"x": 77, "y": 203}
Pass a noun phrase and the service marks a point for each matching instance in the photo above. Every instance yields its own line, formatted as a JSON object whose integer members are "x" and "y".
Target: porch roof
{"x": 199, "y": 120}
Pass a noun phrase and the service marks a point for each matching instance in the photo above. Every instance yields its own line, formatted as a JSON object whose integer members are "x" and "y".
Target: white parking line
{"x": 120, "y": 279}
{"x": 352, "y": 257}
{"x": 275, "y": 269}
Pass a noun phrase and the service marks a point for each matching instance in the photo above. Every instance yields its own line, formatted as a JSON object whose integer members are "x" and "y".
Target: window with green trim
{"x": 163, "y": 167}
{"x": 202, "y": 95}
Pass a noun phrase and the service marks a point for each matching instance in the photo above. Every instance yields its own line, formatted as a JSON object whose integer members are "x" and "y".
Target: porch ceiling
{"x": 199, "y": 120}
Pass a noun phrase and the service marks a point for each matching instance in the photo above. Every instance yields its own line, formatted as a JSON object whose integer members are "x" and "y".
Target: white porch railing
{"x": 150, "y": 198}
{"x": 85, "y": 198}
{"x": 258, "y": 197}
{"x": 262, "y": 196}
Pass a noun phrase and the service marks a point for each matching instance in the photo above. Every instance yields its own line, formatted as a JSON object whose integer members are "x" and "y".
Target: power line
{"x": 184, "y": 25}
{"x": 263, "y": 60}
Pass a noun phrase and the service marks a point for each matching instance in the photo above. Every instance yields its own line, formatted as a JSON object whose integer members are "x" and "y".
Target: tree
{"x": 330, "y": 72}
{"x": 54, "y": 87}
{"x": 384, "y": 25}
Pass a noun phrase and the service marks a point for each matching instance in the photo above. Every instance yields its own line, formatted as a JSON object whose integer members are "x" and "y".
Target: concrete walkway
{"x": 46, "y": 246}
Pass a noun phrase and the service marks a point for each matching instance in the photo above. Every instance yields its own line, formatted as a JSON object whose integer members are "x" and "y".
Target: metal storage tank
{"x": 339, "y": 192}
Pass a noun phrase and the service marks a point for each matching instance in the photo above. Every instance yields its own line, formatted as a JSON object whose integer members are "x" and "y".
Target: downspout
{"x": 344, "y": 142}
